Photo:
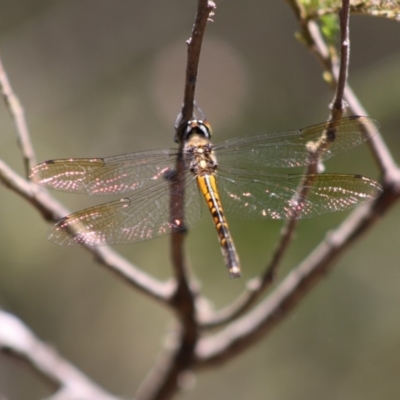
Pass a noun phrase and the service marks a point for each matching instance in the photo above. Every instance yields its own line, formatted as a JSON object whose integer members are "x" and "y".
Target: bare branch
{"x": 380, "y": 152}
{"x": 258, "y": 285}
{"x": 17, "y": 114}
{"x": 239, "y": 335}
{"x": 53, "y": 210}
{"x": 204, "y": 11}
{"x": 318, "y": 47}
{"x": 337, "y": 103}
{"x": 185, "y": 348}
{"x": 164, "y": 379}
{"x": 20, "y": 341}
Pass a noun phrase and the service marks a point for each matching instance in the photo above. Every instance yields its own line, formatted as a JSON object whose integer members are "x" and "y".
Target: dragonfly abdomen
{"x": 207, "y": 185}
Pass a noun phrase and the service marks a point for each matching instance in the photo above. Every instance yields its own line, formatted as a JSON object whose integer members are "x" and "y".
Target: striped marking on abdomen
{"x": 208, "y": 186}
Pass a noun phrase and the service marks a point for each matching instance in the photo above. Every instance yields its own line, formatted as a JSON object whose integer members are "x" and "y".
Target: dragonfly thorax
{"x": 200, "y": 156}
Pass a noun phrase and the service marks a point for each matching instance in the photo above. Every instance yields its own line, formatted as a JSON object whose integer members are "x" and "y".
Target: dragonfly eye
{"x": 193, "y": 127}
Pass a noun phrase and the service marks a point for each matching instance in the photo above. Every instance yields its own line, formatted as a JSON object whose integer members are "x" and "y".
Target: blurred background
{"x": 102, "y": 77}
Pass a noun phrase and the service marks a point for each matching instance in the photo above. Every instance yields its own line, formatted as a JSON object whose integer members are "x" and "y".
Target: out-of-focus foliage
{"x": 378, "y": 8}
{"x": 330, "y": 27}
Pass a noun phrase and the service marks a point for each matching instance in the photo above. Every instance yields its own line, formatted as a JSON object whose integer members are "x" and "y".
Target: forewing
{"x": 146, "y": 215}
{"x": 110, "y": 175}
{"x": 277, "y": 197}
{"x": 292, "y": 149}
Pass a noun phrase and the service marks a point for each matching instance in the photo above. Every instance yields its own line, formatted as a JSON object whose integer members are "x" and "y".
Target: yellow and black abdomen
{"x": 208, "y": 186}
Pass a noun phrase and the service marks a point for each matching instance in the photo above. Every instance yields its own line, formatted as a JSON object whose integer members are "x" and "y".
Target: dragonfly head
{"x": 193, "y": 127}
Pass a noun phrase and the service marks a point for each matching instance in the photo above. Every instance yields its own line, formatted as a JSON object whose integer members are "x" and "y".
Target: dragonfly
{"x": 164, "y": 188}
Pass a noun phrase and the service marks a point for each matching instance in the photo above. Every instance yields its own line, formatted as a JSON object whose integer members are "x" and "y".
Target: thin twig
{"x": 315, "y": 43}
{"x": 380, "y": 152}
{"x": 337, "y": 103}
{"x": 205, "y": 9}
{"x": 17, "y": 113}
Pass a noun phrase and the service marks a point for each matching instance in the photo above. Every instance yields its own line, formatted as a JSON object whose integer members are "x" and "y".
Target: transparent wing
{"x": 146, "y": 215}
{"x": 290, "y": 149}
{"x": 276, "y": 197}
{"x": 110, "y": 175}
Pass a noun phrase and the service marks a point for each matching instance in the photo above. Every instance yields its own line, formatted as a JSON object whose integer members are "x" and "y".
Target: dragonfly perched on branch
{"x": 234, "y": 177}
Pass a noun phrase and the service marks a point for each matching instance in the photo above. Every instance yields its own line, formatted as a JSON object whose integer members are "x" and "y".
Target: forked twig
{"x": 257, "y": 286}
{"x": 243, "y": 332}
